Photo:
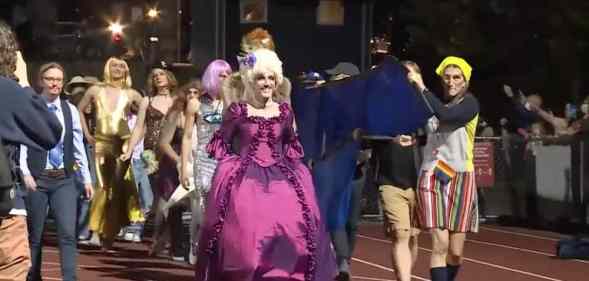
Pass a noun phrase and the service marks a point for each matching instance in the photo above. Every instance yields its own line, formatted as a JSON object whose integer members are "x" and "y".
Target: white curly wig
{"x": 259, "y": 61}
{"x": 265, "y": 61}
{"x": 240, "y": 86}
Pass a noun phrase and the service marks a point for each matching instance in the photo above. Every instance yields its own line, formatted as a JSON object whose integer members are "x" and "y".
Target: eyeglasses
{"x": 53, "y": 79}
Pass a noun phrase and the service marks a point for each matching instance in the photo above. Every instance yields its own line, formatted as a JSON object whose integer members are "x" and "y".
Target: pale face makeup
{"x": 265, "y": 84}
{"x": 52, "y": 82}
{"x": 223, "y": 75}
{"x": 453, "y": 81}
{"x": 160, "y": 78}
{"x": 118, "y": 69}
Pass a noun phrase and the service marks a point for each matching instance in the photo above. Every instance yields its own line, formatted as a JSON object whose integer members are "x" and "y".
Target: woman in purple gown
{"x": 262, "y": 221}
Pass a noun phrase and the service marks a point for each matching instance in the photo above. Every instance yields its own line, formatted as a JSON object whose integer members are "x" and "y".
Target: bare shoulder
{"x": 143, "y": 103}
{"x": 94, "y": 90}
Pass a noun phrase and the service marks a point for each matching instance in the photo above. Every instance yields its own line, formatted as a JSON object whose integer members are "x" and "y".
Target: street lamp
{"x": 153, "y": 13}
{"x": 116, "y": 30}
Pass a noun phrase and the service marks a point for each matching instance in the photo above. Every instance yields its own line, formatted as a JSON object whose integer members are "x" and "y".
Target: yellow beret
{"x": 460, "y": 62}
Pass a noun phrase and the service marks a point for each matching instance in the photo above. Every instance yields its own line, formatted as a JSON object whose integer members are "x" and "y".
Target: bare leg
{"x": 403, "y": 256}
{"x": 454, "y": 258}
{"x": 440, "y": 242}
{"x": 413, "y": 247}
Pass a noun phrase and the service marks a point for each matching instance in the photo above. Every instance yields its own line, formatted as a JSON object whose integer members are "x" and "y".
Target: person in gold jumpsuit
{"x": 116, "y": 201}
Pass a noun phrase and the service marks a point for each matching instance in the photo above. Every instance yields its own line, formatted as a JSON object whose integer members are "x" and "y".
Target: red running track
{"x": 495, "y": 253}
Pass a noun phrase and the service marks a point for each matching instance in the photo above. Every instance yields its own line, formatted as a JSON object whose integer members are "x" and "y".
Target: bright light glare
{"x": 153, "y": 13}
{"x": 115, "y": 27}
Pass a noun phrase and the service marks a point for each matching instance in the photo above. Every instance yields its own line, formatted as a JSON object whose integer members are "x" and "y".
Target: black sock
{"x": 439, "y": 273}
{"x": 452, "y": 271}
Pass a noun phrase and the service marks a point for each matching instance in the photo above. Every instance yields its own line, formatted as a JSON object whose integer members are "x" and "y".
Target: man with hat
{"x": 78, "y": 85}
{"x": 337, "y": 187}
{"x": 343, "y": 70}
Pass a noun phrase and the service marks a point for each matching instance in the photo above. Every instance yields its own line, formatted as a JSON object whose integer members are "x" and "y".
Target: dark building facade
{"x": 301, "y": 42}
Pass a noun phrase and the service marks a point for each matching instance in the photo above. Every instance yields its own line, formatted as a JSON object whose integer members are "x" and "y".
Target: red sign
{"x": 484, "y": 163}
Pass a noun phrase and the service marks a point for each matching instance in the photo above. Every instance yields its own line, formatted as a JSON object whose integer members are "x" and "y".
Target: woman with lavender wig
{"x": 206, "y": 112}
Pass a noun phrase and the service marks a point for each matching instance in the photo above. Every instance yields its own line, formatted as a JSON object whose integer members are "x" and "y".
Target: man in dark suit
{"x": 49, "y": 177}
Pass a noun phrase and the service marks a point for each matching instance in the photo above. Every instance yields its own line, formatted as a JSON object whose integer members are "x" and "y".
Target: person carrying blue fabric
{"x": 396, "y": 162}
{"x": 339, "y": 196}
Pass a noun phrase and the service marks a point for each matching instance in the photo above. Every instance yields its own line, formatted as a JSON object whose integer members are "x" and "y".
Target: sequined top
{"x": 205, "y": 166}
{"x": 153, "y": 121}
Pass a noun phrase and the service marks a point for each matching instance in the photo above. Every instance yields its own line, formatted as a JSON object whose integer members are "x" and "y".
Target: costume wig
{"x": 210, "y": 79}
{"x": 150, "y": 86}
{"x": 256, "y": 39}
{"x": 108, "y": 78}
{"x": 260, "y": 61}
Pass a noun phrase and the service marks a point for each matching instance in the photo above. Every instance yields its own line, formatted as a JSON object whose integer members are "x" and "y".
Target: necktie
{"x": 56, "y": 153}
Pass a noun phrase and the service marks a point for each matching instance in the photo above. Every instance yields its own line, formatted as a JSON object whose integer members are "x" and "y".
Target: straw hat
{"x": 79, "y": 81}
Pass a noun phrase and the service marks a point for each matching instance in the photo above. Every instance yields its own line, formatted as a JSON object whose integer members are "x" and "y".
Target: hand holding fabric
{"x": 416, "y": 79}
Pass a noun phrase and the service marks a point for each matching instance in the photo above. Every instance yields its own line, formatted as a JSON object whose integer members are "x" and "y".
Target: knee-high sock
{"x": 439, "y": 273}
{"x": 452, "y": 271}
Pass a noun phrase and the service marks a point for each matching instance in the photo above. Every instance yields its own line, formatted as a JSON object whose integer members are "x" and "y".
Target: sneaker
{"x": 343, "y": 276}
{"x": 192, "y": 255}
{"x": 129, "y": 236}
{"x": 180, "y": 258}
{"x": 94, "y": 241}
{"x": 122, "y": 232}
{"x": 136, "y": 238}
{"x": 344, "y": 271}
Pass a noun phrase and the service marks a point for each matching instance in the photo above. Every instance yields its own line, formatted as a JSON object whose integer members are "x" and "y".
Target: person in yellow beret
{"x": 446, "y": 190}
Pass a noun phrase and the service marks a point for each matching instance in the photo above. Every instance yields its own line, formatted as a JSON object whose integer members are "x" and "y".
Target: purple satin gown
{"x": 262, "y": 220}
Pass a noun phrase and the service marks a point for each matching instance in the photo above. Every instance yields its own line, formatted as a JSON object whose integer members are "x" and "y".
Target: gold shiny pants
{"x": 116, "y": 202}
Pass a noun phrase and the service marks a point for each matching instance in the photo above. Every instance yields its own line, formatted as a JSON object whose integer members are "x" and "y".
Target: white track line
{"x": 52, "y": 278}
{"x": 520, "y": 234}
{"x": 356, "y": 277}
{"x": 385, "y": 268}
{"x": 79, "y": 265}
{"x": 520, "y": 249}
{"x": 475, "y": 261}
{"x": 51, "y": 269}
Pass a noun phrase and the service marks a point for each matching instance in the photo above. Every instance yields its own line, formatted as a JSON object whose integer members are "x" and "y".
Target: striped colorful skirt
{"x": 451, "y": 206}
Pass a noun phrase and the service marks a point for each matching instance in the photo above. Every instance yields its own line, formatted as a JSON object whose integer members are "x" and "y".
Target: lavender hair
{"x": 210, "y": 79}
